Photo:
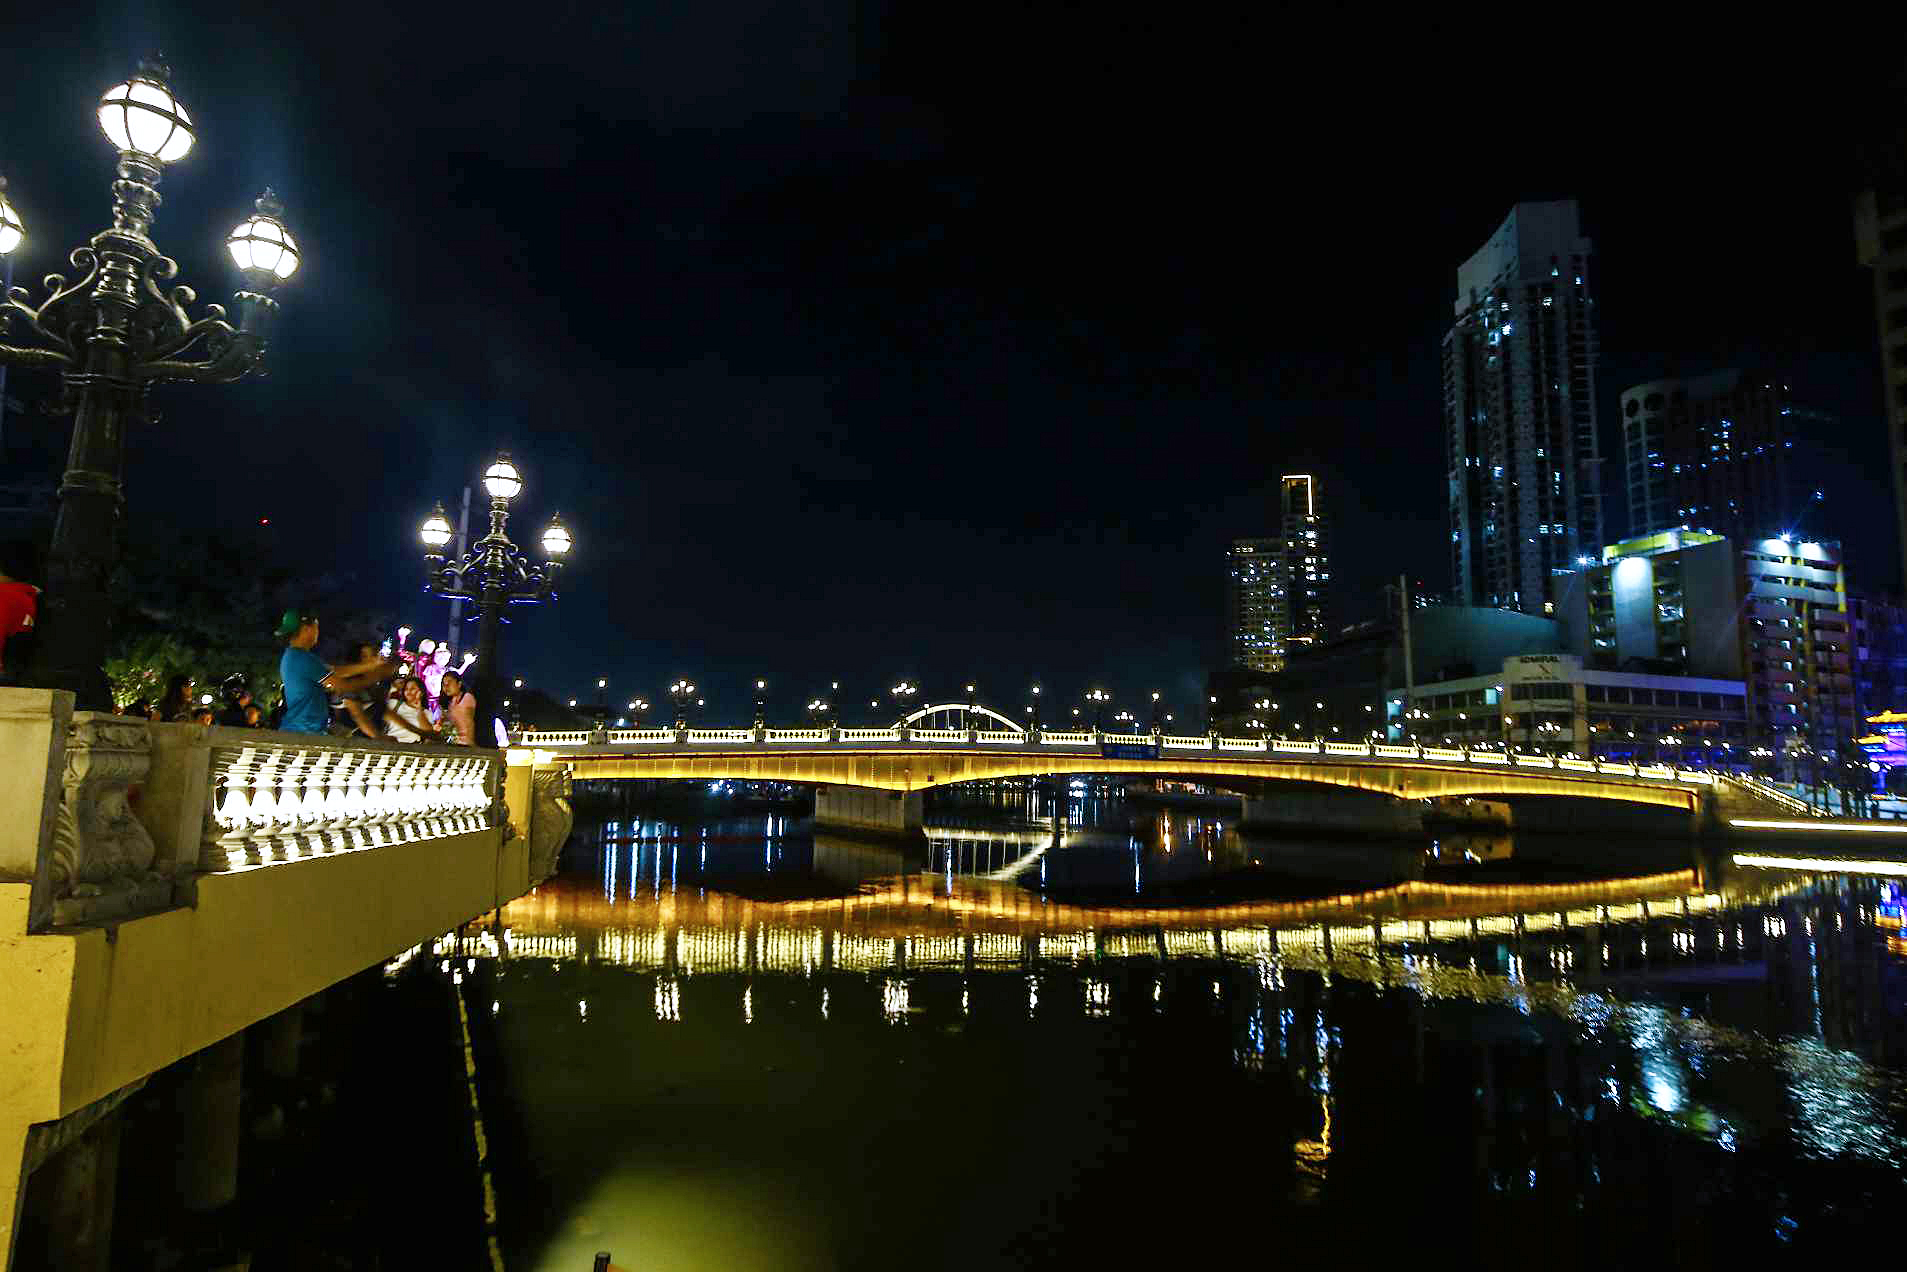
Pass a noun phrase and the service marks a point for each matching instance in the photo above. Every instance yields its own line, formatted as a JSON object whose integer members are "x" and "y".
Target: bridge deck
{"x": 918, "y": 759}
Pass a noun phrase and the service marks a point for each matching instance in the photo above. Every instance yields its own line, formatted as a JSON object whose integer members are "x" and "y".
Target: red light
{"x": 264, "y": 521}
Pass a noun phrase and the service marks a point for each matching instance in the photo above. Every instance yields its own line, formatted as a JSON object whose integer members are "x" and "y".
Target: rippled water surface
{"x": 1131, "y": 1033}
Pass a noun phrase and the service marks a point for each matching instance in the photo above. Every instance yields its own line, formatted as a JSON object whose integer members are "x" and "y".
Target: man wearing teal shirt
{"x": 309, "y": 683}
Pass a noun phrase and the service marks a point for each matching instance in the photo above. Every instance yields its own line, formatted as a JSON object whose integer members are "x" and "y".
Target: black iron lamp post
{"x": 493, "y": 574}
{"x": 682, "y": 695}
{"x": 761, "y": 704}
{"x": 1156, "y": 709}
{"x": 112, "y": 334}
{"x": 1099, "y": 698}
{"x": 1033, "y": 710}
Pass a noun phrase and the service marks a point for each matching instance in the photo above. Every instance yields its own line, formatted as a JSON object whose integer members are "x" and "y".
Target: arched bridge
{"x": 908, "y": 760}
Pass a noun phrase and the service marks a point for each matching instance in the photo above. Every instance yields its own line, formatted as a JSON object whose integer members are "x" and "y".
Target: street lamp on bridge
{"x": 1099, "y": 698}
{"x": 903, "y": 693}
{"x": 112, "y": 334}
{"x": 1033, "y": 710}
{"x": 682, "y": 695}
{"x": 761, "y": 704}
{"x": 494, "y": 573}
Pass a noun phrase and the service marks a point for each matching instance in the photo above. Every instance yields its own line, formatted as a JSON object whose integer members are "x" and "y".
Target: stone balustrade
{"x": 118, "y": 816}
{"x": 278, "y": 797}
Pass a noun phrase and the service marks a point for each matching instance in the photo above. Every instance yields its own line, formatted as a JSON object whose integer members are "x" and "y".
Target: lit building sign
{"x": 1886, "y": 739}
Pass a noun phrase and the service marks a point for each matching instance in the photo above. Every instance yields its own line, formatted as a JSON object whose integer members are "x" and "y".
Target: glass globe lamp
{"x": 501, "y": 479}
{"x": 12, "y": 232}
{"x": 142, "y": 117}
{"x": 435, "y": 532}
{"x": 556, "y": 539}
{"x": 261, "y": 246}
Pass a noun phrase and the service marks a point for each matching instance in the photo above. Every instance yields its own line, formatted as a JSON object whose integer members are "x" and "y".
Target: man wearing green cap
{"x": 309, "y": 683}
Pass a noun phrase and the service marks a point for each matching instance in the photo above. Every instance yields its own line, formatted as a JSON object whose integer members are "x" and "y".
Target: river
{"x": 1128, "y": 1032}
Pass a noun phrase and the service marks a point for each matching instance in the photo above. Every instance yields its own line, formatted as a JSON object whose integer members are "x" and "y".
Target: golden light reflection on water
{"x": 1550, "y": 951}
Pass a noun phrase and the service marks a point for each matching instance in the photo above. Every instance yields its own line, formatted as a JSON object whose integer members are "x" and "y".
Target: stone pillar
{"x": 860, "y": 808}
{"x": 209, "y": 1126}
{"x": 281, "y": 1036}
{"x": 79, "y": 1187}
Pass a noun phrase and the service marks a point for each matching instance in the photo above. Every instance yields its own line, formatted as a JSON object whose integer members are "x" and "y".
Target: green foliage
{"x": 207, "y": 607}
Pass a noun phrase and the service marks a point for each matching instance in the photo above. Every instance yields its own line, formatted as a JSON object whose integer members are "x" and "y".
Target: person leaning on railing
{"x": 405, "y": 719}
{"x": 309, "y": 683}
{"x": 460, "y": 710}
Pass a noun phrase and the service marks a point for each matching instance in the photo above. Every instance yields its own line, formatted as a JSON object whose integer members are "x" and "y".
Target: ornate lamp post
{"x": 1154, "y": 726}
{"x": 494, "y": 573}
{"x": 682, "y": 695}
{"x": 1099, "y": 698}
{"x": 1033, "y": 710}
{"x": 112, "y": 334}
{"x": 761, "y": 704}
{"x": 903, "y": 693}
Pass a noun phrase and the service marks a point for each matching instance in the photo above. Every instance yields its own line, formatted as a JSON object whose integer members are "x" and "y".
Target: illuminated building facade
{"x": 1337, "y": 687}
{"x": 1254, "y": 603}
{"x": 1879, "y": 638}
{"x": 1276, "y": 589}
{"x": 1306, "y": 564}
{"x": 1772, "y": 614}
{"x": 1880, "y": 236}
{"x": 1555, "y": 704}
{"x": 1519, "y": 380}
{"x": 1710, "y": 452}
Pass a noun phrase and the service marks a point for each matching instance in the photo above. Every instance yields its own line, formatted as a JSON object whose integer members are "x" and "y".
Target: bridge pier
{"x": 867, "y": 810}
{"x": 1311, "y": 808}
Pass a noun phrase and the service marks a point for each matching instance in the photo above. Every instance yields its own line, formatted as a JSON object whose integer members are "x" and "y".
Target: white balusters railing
{"x": 285, "y": 797}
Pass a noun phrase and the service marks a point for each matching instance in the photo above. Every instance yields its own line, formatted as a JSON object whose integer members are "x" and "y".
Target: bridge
{"x": 872, "y": 778}
{"x": 167, "y": 889}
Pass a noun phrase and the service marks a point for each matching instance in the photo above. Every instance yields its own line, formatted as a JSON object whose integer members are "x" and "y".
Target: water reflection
{"x": 753, "y": 1007}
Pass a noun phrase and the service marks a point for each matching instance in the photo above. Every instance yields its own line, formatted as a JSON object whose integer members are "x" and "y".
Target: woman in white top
{"x": 404, "y": 717}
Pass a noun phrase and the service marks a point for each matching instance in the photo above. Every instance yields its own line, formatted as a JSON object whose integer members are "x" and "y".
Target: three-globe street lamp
{"x": 494, "y": 573}
{"x": 904, "y": 693}
{"x": 1099, "y": 698}
{"x": 682, "y": 696}
{"x": 112, "y": 334}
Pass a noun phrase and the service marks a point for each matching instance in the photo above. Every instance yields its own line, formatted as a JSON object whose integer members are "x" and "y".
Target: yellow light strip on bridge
{"x": 1829, "y": 865}
{"x": 1874, "y": 828}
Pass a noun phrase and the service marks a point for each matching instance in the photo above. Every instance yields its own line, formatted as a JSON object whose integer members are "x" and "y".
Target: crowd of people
{"x": 403, "y": 695}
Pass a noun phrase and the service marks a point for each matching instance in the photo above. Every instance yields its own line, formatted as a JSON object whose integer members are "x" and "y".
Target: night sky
{"x": 946, "y": 342}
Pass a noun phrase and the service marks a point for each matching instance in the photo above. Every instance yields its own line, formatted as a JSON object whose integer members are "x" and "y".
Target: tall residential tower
{"x": 1276, "y": 588}
{"x": 1307, "y": 561}
{"x": 1880, "y": 236}
{"x": 1709, "y": 453}
{"x": 1519, "y": 376}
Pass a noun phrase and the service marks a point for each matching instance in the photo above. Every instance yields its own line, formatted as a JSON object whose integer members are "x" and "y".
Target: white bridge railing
{"x": 283, "y": 797}
{"x": 1090, "y": 740}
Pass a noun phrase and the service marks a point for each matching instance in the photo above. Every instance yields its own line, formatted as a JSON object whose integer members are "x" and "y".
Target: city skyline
{"x": 775, "y": 443}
